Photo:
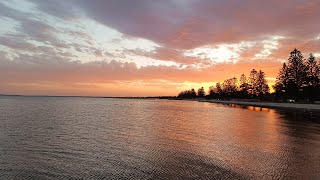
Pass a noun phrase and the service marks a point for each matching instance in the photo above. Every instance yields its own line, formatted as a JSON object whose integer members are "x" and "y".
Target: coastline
{"x": 312, "y": 107}
{"x": 263, "y": 104}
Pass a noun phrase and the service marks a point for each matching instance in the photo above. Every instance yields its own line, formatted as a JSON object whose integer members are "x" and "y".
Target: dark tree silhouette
{"x": 282, "y": 82}
{"x": 298, "y": 79}
{"x": 253, "y": 82}
{"x": 262, "y": 87}
{"x": 229, "y": 87}
{"x": 193, "y": 93}
{"x": 212, "y": 93}
{"x": 297, "y": 74}
{"x": 312, "y": 71}
{"x": 312, "y": 79}
{"x": 188, "y": 94}
{"x": 201, "y": 92}
{"x": 218, "y": 88}
{"x": 243, "y": 82}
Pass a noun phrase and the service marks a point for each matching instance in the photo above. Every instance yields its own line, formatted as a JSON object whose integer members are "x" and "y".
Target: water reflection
{"x": 252, "y": 108}
{"x": 154, "y": 139}
{"x": 292, "y": 114}
{"x": 290, "y": 134}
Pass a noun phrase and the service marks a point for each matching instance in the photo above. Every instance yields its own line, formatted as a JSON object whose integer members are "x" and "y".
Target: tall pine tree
{"x": 297, "y": 74}
{"x": 312, "y": 71}
{"x": 253, "y": 82}
{"x": 282, "y": 80}
{"x": 201, "y": 92}
{"x": 312, "y": 79}
{"x": 262, "y": 87}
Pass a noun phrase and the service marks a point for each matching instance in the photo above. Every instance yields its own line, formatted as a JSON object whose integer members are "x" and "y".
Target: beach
{"x": 313, "y": 107}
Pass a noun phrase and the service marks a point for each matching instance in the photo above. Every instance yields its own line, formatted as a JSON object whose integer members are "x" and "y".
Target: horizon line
{"x": 84, "y": 96}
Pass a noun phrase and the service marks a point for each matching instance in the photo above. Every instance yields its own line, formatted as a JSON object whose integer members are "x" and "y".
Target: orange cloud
{"x": 115, "y": 78}
{"x": 65, "y": 57}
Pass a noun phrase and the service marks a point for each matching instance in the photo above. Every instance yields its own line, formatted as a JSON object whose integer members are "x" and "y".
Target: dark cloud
{"x": 16, "y": 42}
{"x": 6, "y": 11}
{"x": 174, "y": 55}
{"x": 188, "y": 24}
{"x": 38, "y": 30}
{"x": 306, "y": 46}
{"x": 31, "y": 27}
{"x": 60, "y": 9}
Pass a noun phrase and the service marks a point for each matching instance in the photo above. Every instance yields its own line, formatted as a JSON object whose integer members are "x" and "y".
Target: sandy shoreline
{"x": 313, "y": 107}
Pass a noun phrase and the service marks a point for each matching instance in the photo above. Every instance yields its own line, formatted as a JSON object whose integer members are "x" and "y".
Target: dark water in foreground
{"x": 92, "y": 138}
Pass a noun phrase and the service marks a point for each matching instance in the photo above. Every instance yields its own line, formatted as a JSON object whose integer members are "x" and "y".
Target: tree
{"x": 262, "y": 87}
{"x": 201, "y": 92}
{"x": 212, "y": 92}
{"x": 184, "y": 94}
{"x": 187, "y": 94}
{"x": 319, "y": 68}
{"x": 218, "y": 88}
{"x": 193, "y": 93}
{"x": 312, "y": 78}
{"x": 229, "y": 86}
{"x": 218, "y": 91}
{"x": 243, "y": 79}
{"x": 253, "y": 82}
{"x": 244, "y": 87}
{"x": 243, "y": 83}
{"x": 299, "y": 78}
{"x": 312, "y": 71}
{"x": 297, "y": 73}
{"x": 282, "y": 82}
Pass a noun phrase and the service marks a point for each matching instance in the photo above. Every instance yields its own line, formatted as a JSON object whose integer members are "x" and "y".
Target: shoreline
{"x": 262, "y": 104}
{"x": 309, "y": 107}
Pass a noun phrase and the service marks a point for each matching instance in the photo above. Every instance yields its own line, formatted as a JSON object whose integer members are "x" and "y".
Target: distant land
{"x": 262, "y": 104}
{"x": 118, "y": 97}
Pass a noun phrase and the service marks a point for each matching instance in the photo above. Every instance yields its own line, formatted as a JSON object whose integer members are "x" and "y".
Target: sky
{"x": 147, "y": 48}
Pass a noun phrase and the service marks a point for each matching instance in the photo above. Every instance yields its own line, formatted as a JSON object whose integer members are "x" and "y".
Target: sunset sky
{"x": 144, "y": 47}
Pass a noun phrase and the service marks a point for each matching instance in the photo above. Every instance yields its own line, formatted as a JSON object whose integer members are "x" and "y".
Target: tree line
{"x": 255, "y": 85}
{"x": 298, "y": 79}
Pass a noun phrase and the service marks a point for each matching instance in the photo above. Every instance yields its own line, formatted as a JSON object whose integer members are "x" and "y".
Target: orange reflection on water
{"x": 246, "y": 138}
{"x": 251, "y": 108}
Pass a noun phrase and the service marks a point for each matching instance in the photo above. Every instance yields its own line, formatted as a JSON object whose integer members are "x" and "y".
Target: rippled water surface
{"x": 96, "y": 138}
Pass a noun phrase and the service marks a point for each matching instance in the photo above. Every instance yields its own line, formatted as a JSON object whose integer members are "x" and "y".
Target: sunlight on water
{"x": 91, "y": 138}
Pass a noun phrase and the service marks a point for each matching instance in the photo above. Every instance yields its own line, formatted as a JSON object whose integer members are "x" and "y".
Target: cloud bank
{"x": 103, "y": 47}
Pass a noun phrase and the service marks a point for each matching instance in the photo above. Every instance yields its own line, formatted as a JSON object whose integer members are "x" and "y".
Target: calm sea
{"x": 96, "y": 138}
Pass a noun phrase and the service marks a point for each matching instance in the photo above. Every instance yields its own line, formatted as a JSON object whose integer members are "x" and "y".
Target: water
{"x": 95, "y": 138}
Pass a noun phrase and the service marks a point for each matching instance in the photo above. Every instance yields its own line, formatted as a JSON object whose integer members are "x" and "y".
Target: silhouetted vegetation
{"x": 201, "y": 92}
{"x": 255, "y": 86}
{"x": 188, "y": 94}
{"x": 298, "y": 79}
